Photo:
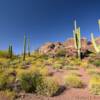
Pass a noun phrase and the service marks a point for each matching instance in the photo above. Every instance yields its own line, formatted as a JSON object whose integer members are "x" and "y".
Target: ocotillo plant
{"x": 28, "y": 47}
{"x": 97, "y": 48}
{"x": 77, "y": 39}
{"x": 24, "y": 49}
{"x": 10, "y": 51}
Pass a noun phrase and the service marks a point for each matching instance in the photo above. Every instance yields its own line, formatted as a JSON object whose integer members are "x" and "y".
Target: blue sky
{"x": 45, "y": 21}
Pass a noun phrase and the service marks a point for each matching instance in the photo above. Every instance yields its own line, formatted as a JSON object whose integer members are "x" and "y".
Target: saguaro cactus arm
{"x": 77, "y": 39}
{"x": 94, "y": 43}
{"x": 99, "y": 23}
{"x": 28, "y": 47}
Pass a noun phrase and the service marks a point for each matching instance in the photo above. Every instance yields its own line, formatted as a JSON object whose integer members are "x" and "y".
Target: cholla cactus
{"x": 97, "y": 48}
{"x": 77, "y": 39}
{"x": 99, "y": 23}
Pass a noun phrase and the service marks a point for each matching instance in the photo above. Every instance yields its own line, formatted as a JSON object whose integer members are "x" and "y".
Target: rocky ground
{"x": 67, "y": 49}
{"x": 65, "y": 93}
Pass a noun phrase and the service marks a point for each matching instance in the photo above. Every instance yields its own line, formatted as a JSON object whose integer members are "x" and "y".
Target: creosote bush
{"x": 39, "y": 84}
{"x": 73, "y": 80}
{"x": 29, "y": 81}
{"x": 57, "y": 66}
{"x": 47, "y": 87}
{"x": 6, "y": 81}
{"x": 94, "y": 85}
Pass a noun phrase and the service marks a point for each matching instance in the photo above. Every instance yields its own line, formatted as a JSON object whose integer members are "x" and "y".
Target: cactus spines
{"x": 10, "y": 51}
{"x": 97, "y": 48}
{"x": 77, "y": 39}
{"x": 24, "y": 49}
{"x": 28, "y": 47}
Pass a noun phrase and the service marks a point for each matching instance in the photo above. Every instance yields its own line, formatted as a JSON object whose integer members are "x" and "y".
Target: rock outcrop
{"x": 67, "y": 46}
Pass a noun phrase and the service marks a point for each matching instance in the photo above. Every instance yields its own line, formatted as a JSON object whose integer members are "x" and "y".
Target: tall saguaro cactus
{"x": 24, "y": 49}
{"x": 28, "y": 47}
{"x": 10, "y": 51}
{"x": 97, "y": 48}
{"x": 77, "y": 39}
{"x": 99, "y": 23}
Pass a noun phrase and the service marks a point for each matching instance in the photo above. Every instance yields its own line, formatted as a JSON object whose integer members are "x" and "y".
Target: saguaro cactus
{"x": 77, "y": 39}
{"x": 24, "y": 49}
{"x": 10, "y": 51}
{"x": 97, "y": 48}
{"x": 28, "y": 47}
{"x": 99, "y": 23}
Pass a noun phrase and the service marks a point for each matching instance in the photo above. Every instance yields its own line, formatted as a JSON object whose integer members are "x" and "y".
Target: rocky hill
{"x": 67, "y": 47}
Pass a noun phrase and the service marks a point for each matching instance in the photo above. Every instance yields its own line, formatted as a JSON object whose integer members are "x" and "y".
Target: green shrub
{"x": 94, "y": 85}
{"x": 4, "y": 54}
{"x": 29, "y": 81}
{"x": 57, "y": 66}
{"x": 47, "y": 87}
{"x": 97, "y": 63}
{"x": 3, "y": 81}
{"x": 60, "y": 53}
{"x": 10, "y": 94}
{"x": 6, "y": 80}
{"x": 70, "y": 67}
{"x": 39, "y": 84}
{"x": 91, "y": 71}
{"x": 95, "y": 60}
{"x": 73, "y": 81}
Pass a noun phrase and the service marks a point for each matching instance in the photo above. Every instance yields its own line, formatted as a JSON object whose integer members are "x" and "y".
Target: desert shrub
{"x": 3, "y": 81}
{"x": 50, "y": 61}
{"x": 73, "y": 81}
{"x": 26, "y": 82}
{"x": 43, "y": 71}
{"x": 97, "y": 63}
{"x": 59, "y": 60}
{"x": 6, "y": 81}
{"x": 58, "y": 63}
{"x": 11, "y": 95}
{"x": 91, "y": 71}
{"x": 57, "y": 66}
{"x": 29, "y": 81}
{"x": 94, "y": 85}
{"x": 95, "y": 60}
{"x": 74, "y": 72}
{"x": 37, "y": 55}
{"x": 15, "y": 61}
{"x": 4, "y": 54}
{"x": 70, "y": 67}
{"x": 60, "y": 53}
{"x": 74, "y": 61}
{"x": 85, "y": 64}
{"x": 33, "y": 69}
{"x": 47, "y": 87}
